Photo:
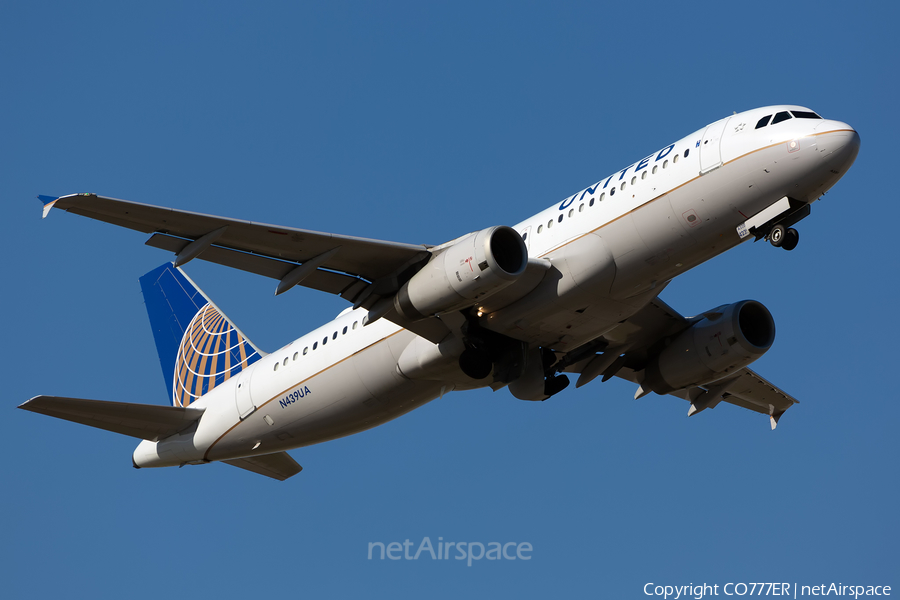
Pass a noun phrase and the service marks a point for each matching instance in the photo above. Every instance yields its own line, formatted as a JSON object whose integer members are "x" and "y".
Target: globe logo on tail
{"x": 211, "y": 352}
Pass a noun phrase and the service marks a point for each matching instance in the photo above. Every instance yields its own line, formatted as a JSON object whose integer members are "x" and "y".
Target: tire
{"x": 776, "y": 236}
{"x": 554, "y": 385}
{"x": 475, "y": 363}
{"x": 791, "y": 239}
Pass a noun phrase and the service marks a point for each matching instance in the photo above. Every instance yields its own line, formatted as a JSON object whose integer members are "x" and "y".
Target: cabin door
{"x": 242, "y": 398}
{"x": 711, "y": 146}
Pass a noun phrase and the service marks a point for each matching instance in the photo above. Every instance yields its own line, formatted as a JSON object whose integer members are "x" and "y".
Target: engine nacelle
{"x": 728, "y": 338}
{"x": 473, "y": 268}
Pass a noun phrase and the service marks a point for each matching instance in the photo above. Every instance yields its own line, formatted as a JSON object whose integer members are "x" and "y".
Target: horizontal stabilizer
{"x": 278, "y": 466}
{"x": 143, "y": 421}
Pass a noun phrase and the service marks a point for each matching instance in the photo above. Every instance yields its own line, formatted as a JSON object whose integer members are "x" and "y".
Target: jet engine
{"x": 476, "y": 266}
{"x": 726, "y": 339}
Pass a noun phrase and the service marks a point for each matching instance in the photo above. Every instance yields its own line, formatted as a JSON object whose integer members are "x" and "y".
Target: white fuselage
{"x": 612, "y": 247}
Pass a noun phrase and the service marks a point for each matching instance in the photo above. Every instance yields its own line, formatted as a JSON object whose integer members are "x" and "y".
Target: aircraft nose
{"x": 838, "y": 143}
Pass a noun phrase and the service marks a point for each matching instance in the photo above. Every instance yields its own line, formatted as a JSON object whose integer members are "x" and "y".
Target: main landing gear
{"x": 782, "y": 237}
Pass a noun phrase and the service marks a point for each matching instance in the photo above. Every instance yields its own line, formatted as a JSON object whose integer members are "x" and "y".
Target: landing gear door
{"x": 711, "y": 146}
{"x": 242, "y": 398}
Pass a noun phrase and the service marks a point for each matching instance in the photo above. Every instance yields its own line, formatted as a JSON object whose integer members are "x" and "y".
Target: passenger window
{"x": 365, "y": 320}
{"x": 763, "y": 122}
{"x": 354, "y": 324}
{"x": 324, "y": 340}
{"x": 524, "y": 236}
{"x": 782, "y": 116}
{"x": 305, "y": 350}
{"x": 334, "y": 335}
{"x": 540, "y": 228}
{"x": 634, "y": 180}
{"x": 560, "y": 218}
{"x": 655, "y": 169}
{"x": 549, "y": 223}
{"x": 296, "y": 355}
{"x": 571, "y": 212}
{"x": 276, "y": 366}
{"x": 285, "y": 361}
{"x": 602, "y": 196}
{"x": 315, "y": 345}
{"x": 644, "y": 175}
{"x": 665, "y": 164}
{"x": 344, "y": 332}
{"x": 686, "y": 152}
{"x": 591, "y": 203}
{"x": 675, "y": 158}
{"x": 612, "y": 192}
{"x": 581, "y": 208}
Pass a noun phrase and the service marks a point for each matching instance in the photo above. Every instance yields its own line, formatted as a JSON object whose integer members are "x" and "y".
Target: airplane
{"x": 572, "y": 290}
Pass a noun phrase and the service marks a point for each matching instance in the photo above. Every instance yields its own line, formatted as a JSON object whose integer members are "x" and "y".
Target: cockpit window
{"x": 805, "y": 114}
{"x": 763, "y": 122}
{"x": 782, "y": 116}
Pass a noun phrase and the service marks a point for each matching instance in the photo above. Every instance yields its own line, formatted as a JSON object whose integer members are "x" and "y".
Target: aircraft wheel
{"x": 475, "y": 363}
{"x": 791, "y": 239}
{"x": 776, "y": 236}
{"x": 556, "y": 384}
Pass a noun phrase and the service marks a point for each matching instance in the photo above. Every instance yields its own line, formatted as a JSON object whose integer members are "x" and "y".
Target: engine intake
{"x": 473, "y": 268}
{"x": 726, "y": 339}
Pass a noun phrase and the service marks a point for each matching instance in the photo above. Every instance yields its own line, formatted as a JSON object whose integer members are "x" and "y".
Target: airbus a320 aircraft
{"x": 571, "y": 290}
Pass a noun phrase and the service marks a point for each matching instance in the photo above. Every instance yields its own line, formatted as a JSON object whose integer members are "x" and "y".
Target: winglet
{"x": 48, "y": 202}
{"x": 774, "y": 417}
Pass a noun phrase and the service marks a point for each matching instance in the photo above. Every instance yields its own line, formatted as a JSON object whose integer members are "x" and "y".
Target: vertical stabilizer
{"x": 198, "y": 346}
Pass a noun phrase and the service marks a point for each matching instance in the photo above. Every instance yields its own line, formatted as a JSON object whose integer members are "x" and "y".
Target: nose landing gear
{"x": 782, "y": 237}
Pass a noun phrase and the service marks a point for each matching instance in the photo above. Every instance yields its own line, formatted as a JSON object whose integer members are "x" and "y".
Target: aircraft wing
{"x": 358, "y": 269}
{"x": 631, "y": 343}
{"x": 272, "y": 250}
{"x": 749, "y": 390}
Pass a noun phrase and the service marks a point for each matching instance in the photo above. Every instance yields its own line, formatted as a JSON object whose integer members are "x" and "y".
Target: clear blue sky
{"x": 418, "y": 122}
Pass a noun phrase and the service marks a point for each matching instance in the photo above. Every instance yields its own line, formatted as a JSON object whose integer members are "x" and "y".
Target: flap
{"x": 755, "y": 393}
{"x": 325, "y": 281}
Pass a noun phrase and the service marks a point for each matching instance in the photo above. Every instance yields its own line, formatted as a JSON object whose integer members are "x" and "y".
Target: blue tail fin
{"x": 198, "y": 346}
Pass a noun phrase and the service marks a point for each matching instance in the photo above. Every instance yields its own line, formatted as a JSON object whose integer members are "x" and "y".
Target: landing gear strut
{"x": 781, "y": 237}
